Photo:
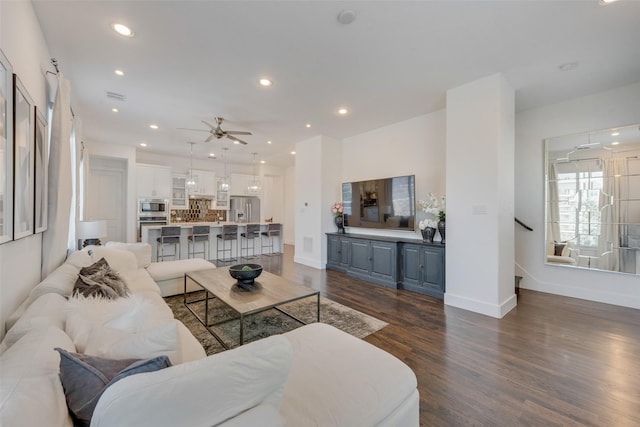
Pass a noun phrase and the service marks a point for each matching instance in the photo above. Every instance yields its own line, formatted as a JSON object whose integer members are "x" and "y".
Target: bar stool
{"x": 199, "y": 233}
{"x": 168, "y": 236}
{"x": 251, "y": 233}
{"x": 229, "y": 234}
{"x": 273, "y": 230}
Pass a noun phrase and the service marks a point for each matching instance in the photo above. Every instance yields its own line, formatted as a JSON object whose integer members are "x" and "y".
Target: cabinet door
{"x": 383, "y": 260}
{"x": 162, "y": 182}
{"x": 333, "y": 250}
{"x": 411, "y": 264}
{"x": 178, "y": 192}
{"x": 145, "y": 181}
{"x": 433, "y": 272}
{"x": 359, "y": 258}
{"x": 238, "y": 185}
{"x": 344, "y": 253}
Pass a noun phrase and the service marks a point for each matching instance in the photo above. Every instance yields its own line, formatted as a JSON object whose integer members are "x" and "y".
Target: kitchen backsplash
{"x": 198, "y": 212}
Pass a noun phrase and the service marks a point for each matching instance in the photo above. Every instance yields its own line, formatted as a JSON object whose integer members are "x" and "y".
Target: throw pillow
{"x": 142, "y": 251}
{"x": 99, "y": 280}
{"x": 558, "y": 248}
{"x": 84, "y": 379}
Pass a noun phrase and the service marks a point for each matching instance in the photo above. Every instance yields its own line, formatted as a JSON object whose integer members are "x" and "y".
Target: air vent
{"x": 116, "y": 96}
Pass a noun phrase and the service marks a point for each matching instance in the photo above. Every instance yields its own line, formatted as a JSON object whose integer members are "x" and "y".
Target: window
{"x": 579, "y": 198}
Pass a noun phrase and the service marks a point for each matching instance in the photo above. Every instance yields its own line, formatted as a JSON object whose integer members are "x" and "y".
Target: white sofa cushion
{"x": 176, "y": 269}
{"x": 111, "y": 343}
{"x": 48, "y": 310}
{"x": 143, "y": 282}
{"x": 122, "y": 262}
{"x": 211, "y": 390}
{"x": 31, "y": 393}
{"x": 344, "y": 378}
{"x": 142, "y": 251}
{"x": 60, "y": 281}
{"x": 139, "y": 312}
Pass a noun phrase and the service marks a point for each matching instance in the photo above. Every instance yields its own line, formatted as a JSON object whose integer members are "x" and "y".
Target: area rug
{"x": 268, "y": 323}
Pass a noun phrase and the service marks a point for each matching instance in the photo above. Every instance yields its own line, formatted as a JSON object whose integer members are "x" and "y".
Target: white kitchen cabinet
{"x": 240, "y": 184}
{"x": 154, "y": 181}
{"x": 205, "y": 183}
{"x": 222, "y": 196}
{"x": 179, "y": 198}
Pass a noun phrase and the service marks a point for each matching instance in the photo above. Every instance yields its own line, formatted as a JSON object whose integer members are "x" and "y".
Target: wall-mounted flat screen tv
{"x": 387, "y": 203}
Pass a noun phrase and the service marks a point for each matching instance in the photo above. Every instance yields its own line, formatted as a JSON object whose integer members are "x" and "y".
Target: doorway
{"x": 106, "y": 195}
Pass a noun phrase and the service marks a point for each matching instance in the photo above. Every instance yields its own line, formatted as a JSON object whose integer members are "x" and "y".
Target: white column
{"x": 480, "y": 197}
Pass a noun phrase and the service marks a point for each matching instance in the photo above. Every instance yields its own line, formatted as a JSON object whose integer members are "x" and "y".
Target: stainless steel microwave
{"x": 153, "y": 207}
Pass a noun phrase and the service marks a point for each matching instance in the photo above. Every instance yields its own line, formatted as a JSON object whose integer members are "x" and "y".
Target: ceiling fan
{"x": 217, "y": 132}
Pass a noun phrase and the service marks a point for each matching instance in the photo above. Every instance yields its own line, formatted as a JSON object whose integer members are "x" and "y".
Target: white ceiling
{"x": 195, "y": 60}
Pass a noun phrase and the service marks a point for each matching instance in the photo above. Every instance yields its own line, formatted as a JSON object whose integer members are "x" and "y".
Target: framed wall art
{"x": 24, "y": 159}
{"x": 6, "y": 150}
{"x": 41, "y": 171}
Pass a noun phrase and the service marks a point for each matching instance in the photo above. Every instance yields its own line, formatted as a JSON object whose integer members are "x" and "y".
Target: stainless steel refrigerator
{"x": 244, "y": 209}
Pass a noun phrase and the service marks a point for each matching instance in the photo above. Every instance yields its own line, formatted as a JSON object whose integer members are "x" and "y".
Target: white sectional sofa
{"x": 315, "y": 375}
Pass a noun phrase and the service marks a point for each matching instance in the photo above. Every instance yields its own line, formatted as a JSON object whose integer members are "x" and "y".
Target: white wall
{"x": 23, "y": 44}
{"x": 479, "y": 270}
{"x": 316, "y": 184}
{"x": 412, "y": 147}
{"x": 602, "y": 110}
{"x": 289, "y": 213}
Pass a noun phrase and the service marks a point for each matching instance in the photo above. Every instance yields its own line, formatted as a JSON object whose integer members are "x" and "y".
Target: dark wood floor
{"x": 552, "y": 361}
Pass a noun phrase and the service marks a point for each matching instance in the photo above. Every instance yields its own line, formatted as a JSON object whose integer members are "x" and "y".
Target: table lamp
{"x": 92, "y": 231}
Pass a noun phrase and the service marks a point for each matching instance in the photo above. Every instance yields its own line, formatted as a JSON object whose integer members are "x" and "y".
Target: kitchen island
{"x": 150, "y": 234}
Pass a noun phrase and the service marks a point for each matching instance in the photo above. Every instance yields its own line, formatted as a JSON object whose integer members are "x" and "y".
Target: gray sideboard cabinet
{"x": 370, "y": 259}
{"x": 423, "y": 269}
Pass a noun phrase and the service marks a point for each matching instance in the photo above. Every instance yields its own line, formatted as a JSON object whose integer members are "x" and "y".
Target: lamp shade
{"x": 92, "y": 229}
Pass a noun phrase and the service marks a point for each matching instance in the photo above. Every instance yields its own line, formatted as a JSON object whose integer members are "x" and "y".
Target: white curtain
{"x": 613, "y": 214}
{"x": 54, "y": 240}
{"x": 553, "y": 207}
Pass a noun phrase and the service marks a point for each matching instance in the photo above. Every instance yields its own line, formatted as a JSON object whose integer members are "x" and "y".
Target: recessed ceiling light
{"x": 293, "y": 152}
{"x": 115, "y": 110}
{"x": 263, "y": 162}
{"x": 606, "y": 2}
{"x": 265, "y": 82}
{"x": 268, "y": 142}
{"x": 212, "y": 154}
{"x": 143, "y": 144}
{"x": 615, "y": 143}
{"x": 568, "y": 66}
{"x": 119, "y": 72}
{"x": 308, "y": 125}
{"x": 122, "y": 29}
{"x": 154, "y": 127}
{"x": 615, "y": 134}
{"x": 343, "y": 111}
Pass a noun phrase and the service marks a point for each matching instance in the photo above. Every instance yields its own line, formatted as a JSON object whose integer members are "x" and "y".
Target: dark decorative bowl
{"x": 246, "y": 276}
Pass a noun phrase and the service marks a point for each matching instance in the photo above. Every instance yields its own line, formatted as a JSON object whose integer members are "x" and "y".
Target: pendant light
{"x": 223, "y": 184}
{"x": 191, "y": 183}
{"x": 254, "y": 185}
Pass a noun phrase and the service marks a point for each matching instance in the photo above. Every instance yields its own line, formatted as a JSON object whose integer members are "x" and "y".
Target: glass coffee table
{"x": 268, "y": 291}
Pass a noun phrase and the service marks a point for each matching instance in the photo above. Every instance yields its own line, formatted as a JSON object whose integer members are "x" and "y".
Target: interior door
{"x": 106, "y": 196}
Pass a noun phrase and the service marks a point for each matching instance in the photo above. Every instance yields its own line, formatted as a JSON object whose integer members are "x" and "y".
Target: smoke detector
{"x": 346, "y": 17}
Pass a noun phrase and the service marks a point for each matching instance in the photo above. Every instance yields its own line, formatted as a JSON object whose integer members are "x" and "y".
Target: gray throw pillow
{"x": 100, "y": 280}
{"x": 84, "y": 379}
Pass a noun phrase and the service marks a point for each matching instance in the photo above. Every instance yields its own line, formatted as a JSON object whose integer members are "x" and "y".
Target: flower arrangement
{"x": 434, "y": 208}
{"x": 337, "y": 209}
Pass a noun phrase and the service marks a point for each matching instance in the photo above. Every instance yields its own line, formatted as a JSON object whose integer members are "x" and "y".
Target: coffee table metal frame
{"x": 228, "y": 286}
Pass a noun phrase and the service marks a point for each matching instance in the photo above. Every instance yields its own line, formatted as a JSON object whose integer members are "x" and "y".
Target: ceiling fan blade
{"x": 237, "y": 132}
{"x": 210, "y": 138}
{"x": 199, "y": 130}
{"x": 208, "y": 124}
{"x": 233, "y": 138}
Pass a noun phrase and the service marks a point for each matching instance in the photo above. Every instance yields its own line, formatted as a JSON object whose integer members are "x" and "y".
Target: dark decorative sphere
{"x": 245, "y": 273}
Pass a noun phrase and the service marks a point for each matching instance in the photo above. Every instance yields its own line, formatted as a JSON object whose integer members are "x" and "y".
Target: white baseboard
{"x": 309, "y": 262}
{"x": 493, "y": 310}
